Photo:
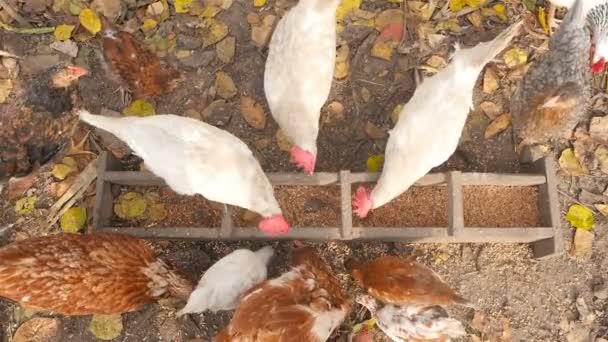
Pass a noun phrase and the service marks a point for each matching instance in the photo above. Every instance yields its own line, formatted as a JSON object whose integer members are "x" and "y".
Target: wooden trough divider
{"x": 546, "y": 240}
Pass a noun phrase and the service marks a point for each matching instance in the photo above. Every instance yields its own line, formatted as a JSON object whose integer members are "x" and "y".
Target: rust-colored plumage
{"x": 40, "y": 121}
{"x": 305, "y": 304}
{"x": 86, "y": 274}
{"x": 393, "y": 280}
{"x": 139, "y": 68}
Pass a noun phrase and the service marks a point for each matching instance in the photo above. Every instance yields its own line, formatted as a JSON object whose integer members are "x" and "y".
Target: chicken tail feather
{"x": 483, "y": 53}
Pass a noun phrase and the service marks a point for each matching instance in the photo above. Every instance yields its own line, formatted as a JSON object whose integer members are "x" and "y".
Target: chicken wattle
{"x": 224, "y": 283}
{"x": 439, "y": 107}
{"x": 554, "y": 94}
{"x": 299, "y": 72}
{"x": 74, "y": 274}
{"x": 193, "y": 157}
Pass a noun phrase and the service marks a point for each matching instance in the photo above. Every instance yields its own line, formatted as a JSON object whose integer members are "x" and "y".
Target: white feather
{"x": 299, "y": 69}
{"x": 195, "y": 158}
{"x": 431, "y": 123}
{"x": 223, "y": 285}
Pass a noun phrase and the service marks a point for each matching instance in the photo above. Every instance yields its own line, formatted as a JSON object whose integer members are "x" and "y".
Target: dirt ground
{"x": 515, "y": 297}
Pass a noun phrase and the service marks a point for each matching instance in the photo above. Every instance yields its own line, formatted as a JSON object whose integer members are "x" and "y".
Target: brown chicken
{"x": 38, "y": 123}
{"x": 554, "y": 95}
{"x": 139, "y": 68}
{"x": 395, "y": 281}
{"x": 86, "y": 274}
{"x": 305, "y": 304}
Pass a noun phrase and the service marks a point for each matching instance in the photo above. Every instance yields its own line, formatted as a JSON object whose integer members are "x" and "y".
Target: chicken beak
{"x": 76, "y": 72}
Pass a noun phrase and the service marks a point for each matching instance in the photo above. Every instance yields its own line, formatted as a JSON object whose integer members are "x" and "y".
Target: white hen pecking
{"x": 439, "y": 107}
{"x": 404, "y": 323}
{"x": 193, "y": 157}
{"x": 299, "y": 72}
{"x": 223, "y": 285}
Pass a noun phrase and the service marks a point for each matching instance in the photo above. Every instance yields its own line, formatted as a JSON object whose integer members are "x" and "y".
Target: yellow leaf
{"x": 149, "y": 25}
{"x": 396, "y": 113}
{"x": 472, "y": 3}
{"x": 582, "y": 244}
{"x": 182, "y": 6}
{"x": 106, "y": 327}
{"x": 580, "y": 217}
{"x": 456, "y": 5}
{"x": 570, "y": 163}
{"x": 346, "y": 7}
{"x": 6, "y": 87}
{"x": 375, "y": 162}
{"x": 90, "y": 20}
{"x": 501, "y": 12}
{"x": 542, "y": 19}
{"x": 515, "y": 57}
{"x": 224, "y": 85}
{"x": 73, "y": 220}
{"x": 210, "y": 11}
{"x": 130, "y": 205}
{"x": 62, "y": 170}
{"x": 63, "y": 32}
{"x": 139, "y": 108}
{"x": 499, "y": 124}
{"x": 25, "y": 205}
{"x": 259, "y": 3}
{"x": 213, "y": 31}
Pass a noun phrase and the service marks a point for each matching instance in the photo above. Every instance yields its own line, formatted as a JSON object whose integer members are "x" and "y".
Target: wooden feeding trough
{"x": 450, "y": 207}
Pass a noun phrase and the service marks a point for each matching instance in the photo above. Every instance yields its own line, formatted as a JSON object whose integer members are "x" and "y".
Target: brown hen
{"x": 395, "y": 281}
{"x": 305, "y": 304}
{"x": 139, "y": 68}
{"x": 39, "y": 122}
{"x": 86, "y": 274}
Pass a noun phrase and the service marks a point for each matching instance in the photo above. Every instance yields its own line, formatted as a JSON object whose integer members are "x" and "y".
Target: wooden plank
{"x": 455, "y": 204}
{"x": 173, "y": 233}
{"x": 371, "y": 177}
{"x": 133, "y": 178}
{"x": 307, "y": 233}
{"x": 478, "y": 178}
{"x": 549, "y": 211}
{"x": 227, "y": 224}
{"x": 346, "y": 207}
{"x": 102, "y": 215}
{"x": 440, "y": 235}
{"x": 396, "y": 233}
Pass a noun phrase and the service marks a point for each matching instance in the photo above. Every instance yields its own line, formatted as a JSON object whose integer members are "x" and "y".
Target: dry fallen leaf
{"x": 582, "y": 243}
{"x": 253, "y": 112}
{"x": 260, "y": 32}
{"x": 385, "y": 44}
{"x": 110, "y": 9}
{"x": 130, "y": 205}
{"x": 106, "y": 327}
{"x": 601, "y": 155}
{"x": 63, "y": 32}
{"x": 224, "y": 85}
{"x": 497, "y": 126}
{"x": 490, "y": 109}
{"x": 25, "y": 206}
{"x": 213, "y": 31}
{"x": 374, "y": 132}
{"x": 6, "y": 87}
{"x": 90, "y": 21}
{"x": 346, "y": 6}
{"x": 580, "y": 217}
{"x": 490, "y": 81}
{"x": 387, "y": 17}
{"x": 515, "y": 57}
{"x": 225, "y": 49}
{"x": 570, "y": 163}
{"x": 283, "y": 141}
{"x": 38, "y": 329}
{"x": 67, "y": 166}
{"x": 182, "y": 6}
{"x": 342, "y": 62}
{"x": 476, "y": 18}
{"x": 139, "y": 108}
{"x": 396, "y": 113}
{"x": 73, "y": 220}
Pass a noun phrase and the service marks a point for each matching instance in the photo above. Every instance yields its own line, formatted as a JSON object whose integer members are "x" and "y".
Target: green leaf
{"x": 375, "y": 162}
{"x": 139, "y": 108}
{"x": 570, "y": 163}
{"x": 130, "y": 205}
{"x": 370, "y": 324}
{"x": 580, "y": 217}
{"x": 73, "y": 220}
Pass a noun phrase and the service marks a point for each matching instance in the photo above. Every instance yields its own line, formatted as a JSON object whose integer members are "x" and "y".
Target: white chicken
{"x": 193, "y": 157}
{"x": 404, "y": 323}
{"x": 439, "y": 107}
{"x": 597, "y": 18}
{"x": 222, "y": 286}
{"x": 299, "y": 72}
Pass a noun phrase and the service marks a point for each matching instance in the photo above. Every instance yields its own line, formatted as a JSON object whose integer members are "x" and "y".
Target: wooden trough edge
{"x": 546, "y": 241}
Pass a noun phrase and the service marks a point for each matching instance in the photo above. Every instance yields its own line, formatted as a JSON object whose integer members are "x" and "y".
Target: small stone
{"x": 490, "y": 109}
{"x": 69, "y": 47}
{"x": 366, "y": 95}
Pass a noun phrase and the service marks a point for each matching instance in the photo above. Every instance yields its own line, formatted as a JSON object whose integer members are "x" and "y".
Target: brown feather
{"x": 79, "y": 275}
{"x": 395, "y": 281}
{"x": 284, "y": 309}
{"x": 139, "y": 68}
